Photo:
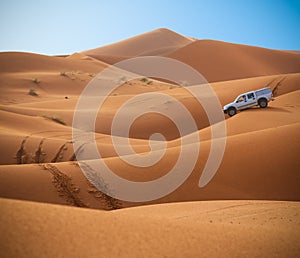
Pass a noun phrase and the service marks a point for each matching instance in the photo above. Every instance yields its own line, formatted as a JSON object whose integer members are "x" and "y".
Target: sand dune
{"x": 215, "y": 60}
{"x": 24, "y": 62}
{"x": 277, "y": 134}
{"x": 251, "y": 175}
{"x": 37, "y": 102}
{"x": 221, "y": 61}
{"x": 209, "y": 229}
{"x": 155, "y": 42}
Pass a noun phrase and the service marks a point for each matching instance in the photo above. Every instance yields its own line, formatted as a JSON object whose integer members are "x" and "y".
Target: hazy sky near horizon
{"x": 64, "y": 27}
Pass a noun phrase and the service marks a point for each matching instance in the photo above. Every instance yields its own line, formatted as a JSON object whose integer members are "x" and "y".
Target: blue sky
{"x": 64, "y": 27}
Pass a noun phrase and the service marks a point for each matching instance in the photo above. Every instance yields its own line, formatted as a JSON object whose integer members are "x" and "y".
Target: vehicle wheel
{"x": 231, "y": 111}
{"x": 263, "y": 103}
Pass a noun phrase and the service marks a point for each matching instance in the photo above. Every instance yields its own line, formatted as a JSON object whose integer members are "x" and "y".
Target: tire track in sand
{"x": 64, "y": 186}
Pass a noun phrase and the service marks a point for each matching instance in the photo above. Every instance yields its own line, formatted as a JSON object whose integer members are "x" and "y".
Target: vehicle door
{"x": 251, "y": 99}
{"x": 241, "y": 102}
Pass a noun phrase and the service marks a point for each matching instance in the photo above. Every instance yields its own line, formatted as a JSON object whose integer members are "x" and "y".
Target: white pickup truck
{"x": 249, "y": 99}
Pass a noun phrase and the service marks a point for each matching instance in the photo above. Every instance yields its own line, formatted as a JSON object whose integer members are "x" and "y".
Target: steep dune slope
{"x": 155, "y": 42}
{"x": 221, "y": 61}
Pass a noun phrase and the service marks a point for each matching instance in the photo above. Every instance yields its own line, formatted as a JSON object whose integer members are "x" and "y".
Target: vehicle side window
{"x": 250, "y": 95}
{"x": 241, "y": 98}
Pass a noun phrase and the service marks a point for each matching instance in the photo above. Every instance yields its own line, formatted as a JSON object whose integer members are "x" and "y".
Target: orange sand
{"x": 256, "y": 185}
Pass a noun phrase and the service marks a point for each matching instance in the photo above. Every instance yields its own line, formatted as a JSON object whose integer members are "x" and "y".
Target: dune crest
{"x": 156, "y": 41}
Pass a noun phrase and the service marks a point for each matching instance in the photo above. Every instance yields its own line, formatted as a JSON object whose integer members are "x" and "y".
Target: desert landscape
{"x": 249, "y": 209}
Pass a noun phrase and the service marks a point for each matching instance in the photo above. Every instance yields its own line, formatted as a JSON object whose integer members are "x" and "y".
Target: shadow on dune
{"x": 271, "y": 109}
